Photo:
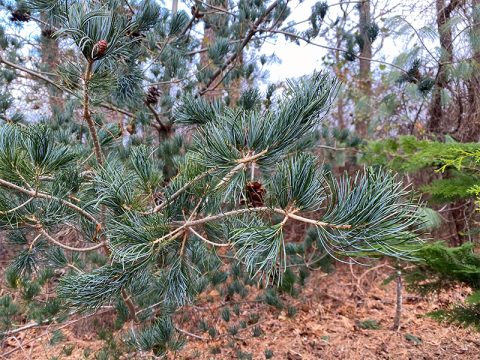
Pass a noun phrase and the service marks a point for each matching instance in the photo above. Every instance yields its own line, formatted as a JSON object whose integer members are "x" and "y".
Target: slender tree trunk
{"x": 174, "y": 6}
{"x": 340, "y": 75}
{"x": 398, "y": 308}
{"x": 436, "y": 114}
{"x": 365, "y": 86}
{"x": 50, "y": 55}
{"x": 209, "y": 36}
{"x": 469, "y": 129}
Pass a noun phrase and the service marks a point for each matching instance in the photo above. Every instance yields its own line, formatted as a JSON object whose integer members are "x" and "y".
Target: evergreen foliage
{"x": 157, "y": 252}
{"x": 133, "y": 221}
{"x": 442, "y": 267}
{"x": 458, "y": 162}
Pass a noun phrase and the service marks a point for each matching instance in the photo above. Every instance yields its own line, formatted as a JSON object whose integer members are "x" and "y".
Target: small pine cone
{"x": 152, "y": 95}
{"x": 255, "y": 193}
{"x": 130, "y": 128}
{"x": 99, "y": 49}
{"x": 20, "y": 16}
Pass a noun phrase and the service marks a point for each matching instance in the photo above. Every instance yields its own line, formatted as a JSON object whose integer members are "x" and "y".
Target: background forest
{"x": 239, "y": 179}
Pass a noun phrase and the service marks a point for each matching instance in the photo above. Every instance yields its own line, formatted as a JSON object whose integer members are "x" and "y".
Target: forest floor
{"x": 333, "y": 311}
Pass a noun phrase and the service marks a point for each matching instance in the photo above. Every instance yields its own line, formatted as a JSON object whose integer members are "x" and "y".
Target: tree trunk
{"x": 340, "y": 76}
{"x": 365, "y": 86}
{"x": 209, "y": 36}
{"x": 435, "y": 123}
{"x": 469, "y": 129}
{"x": 50, "y": 55}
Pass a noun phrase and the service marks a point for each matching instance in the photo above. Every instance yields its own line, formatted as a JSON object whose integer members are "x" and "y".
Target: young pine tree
{"x": 133, "y": 228}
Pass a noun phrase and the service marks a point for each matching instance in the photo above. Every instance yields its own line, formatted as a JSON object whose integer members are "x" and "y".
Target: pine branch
{"x": 87, "y": 115}
{"x": 41, "y": 195}
{"x": 16, "y": 208}
{"x": 253, "y": 30}
{"x": 130, "y": 305}
{"x": 206, "y": 240}
{"x": 222, "y": 10}
{"x": 241, "y": 165}
{"x": 290, "y": 214}
{"x": 190, "y": 334}
{"x": 182, "y": 190}
{"x": 51, "y": 82}
{"x": 66, "y": 247}
{"x": 161, "y": 126}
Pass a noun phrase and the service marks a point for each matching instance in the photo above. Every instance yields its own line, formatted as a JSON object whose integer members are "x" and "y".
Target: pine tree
{"x": 138, "y": 227}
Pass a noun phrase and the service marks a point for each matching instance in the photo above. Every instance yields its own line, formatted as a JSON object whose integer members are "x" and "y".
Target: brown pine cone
{"x": 130, "y": 128}
{"x": 99, "y": 49}
{"x": 255, "y": 193}
{"x": 152, "y": 95}
{"x": 20, "y": 16}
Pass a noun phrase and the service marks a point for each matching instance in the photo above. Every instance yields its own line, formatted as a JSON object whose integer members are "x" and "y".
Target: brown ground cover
{"x": 328, "y": 325}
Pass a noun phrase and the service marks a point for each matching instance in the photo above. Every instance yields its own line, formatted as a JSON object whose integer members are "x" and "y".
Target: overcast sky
{"x": 298, "y": 60}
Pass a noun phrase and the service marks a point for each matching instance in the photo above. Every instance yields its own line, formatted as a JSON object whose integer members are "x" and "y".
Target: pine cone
{"x": 131, "y": 128}
{"x": 99, "y": 49}
{"x": 152, "y": 95}
{"x": 255, "y": 193}
{"x": 20, "y": 16}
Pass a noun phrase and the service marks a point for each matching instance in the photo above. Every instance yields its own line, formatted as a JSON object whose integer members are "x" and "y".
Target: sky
{"x": 298, "y": 60}
{"x": 295, "y": 60}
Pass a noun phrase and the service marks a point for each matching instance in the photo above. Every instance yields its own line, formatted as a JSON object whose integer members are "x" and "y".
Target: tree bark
{"x": 50, "y": 55}
{"x": 436, "y": 121}
{"x": 209, "y": 36}
{"x": 365, "y": 86}
{"x": 340, "y": 75}
{"x": 469, "y": 129}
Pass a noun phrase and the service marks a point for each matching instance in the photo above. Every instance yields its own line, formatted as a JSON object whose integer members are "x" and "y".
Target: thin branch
{"x": 206, "y": 240}
{"x": 218, "y": 9}
{"x": 17, "y": 207}
{"x": 241, "y": 165}
{"x": 181, "y": 190}
{"x": 41, "y": 195}
{"x": 43, "y": 22}
{"x": 171, "y": 235}
{"x": 245, "y": 42}
{"x": 290, "y": 214}
{"x": 190, "y": 334}
{"x": 66, "y": 247}
{"x": 130, "y": 305}
{"x": 129, "y": 7}
{"x": 88, "y": 116}
{"x": 332, "y": 148}
{"x": 51, "y": 82}
{"x": 161, "y": 127}
{"x": 224, "y": 75}
{"x": 421, "y": 40}
{"x": 230, "y": 174}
